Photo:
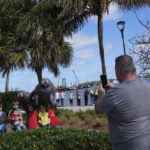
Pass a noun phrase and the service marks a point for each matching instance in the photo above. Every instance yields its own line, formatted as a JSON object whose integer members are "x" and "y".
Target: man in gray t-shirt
{"x": 127, "y": 107}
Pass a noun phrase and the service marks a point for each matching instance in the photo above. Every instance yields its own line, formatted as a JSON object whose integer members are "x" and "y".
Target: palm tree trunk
{"x": 39, "y": 75}
{"x": 7, "y": 81}
{"x": 100, "y": 40}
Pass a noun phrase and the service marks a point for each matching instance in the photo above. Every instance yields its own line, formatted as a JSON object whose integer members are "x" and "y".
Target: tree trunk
{"x": 100, "y": 40}
{"x": 39, "y": 74}
{"x": 7, "y": 81}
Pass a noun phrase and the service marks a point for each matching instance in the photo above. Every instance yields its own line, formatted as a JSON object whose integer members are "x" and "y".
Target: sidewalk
{"x": 77, "y": 108}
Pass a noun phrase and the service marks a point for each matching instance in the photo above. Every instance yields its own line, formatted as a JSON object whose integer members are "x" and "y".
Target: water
{"x": 81, "y": 91}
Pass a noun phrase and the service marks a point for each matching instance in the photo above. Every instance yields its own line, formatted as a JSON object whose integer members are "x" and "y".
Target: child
{"x": 2, "y": 119}
{"x": 43, "y": 118}
{"x": 15, "y": 119}
{"x": 15, "y": 106}
{"x": 53, "y": 119}
{"x": 32, "y": 118}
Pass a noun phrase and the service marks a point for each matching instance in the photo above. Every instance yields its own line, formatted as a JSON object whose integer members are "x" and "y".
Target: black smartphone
{"x": 103, "y": 80}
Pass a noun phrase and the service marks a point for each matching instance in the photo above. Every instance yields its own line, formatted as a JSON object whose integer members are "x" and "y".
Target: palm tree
{"x": 84, "y": 9}
{"x": 9, "y": 39}
{"x": 47, "y": 47}
{"x": 11, "y": 61}
{"x": 36, "y": 36}
{"x": 51, "y": 58}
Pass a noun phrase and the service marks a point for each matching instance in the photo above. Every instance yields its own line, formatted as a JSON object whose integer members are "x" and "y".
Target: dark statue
{"x": 43, "y": 94}
{"x": 24, "y": 99}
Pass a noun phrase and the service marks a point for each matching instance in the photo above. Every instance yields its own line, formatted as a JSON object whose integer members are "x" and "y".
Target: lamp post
{"x": 121, "y": 27}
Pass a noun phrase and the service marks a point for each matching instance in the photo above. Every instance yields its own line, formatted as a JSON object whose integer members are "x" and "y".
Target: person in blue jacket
{"x": 3, "y": 119}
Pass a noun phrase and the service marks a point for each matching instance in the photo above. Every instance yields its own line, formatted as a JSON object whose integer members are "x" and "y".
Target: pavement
{"x": 77, "y": 108}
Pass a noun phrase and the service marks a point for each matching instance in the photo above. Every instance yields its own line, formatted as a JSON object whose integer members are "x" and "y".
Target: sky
{"x": 86, "y": 60}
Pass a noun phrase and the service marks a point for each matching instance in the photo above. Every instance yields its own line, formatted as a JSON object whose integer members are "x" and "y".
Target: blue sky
{"x": 86, "y": 60}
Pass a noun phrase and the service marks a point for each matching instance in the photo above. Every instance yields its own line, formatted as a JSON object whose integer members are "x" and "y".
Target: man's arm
{"x": 101, "y": 93}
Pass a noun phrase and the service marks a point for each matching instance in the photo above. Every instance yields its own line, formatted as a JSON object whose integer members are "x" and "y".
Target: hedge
{"x": 6, "y": 99}
{"x": 55, "y": 139}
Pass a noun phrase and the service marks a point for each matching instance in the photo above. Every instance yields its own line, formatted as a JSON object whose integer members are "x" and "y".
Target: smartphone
{"x": 103, "y": 80}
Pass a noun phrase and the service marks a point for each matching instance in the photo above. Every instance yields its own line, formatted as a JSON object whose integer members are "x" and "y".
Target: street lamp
{"x": 121, "y": 27}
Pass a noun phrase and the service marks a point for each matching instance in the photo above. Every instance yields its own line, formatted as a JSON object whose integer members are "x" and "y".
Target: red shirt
{"x": 15, "y": 118}
{"x": 32, "y": 119}
{"x": 53, "y": 118}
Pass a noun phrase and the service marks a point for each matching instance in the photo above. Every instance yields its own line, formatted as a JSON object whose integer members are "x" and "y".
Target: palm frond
{"x": 132, "y": 4}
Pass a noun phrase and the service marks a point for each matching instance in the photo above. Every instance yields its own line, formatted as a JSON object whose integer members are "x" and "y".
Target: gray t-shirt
{"x": 128, "y": 109}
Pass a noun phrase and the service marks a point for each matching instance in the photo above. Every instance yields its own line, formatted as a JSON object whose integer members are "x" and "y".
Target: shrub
{"x": 55, "y": 139}
{"x": 90, "y": 112}
{"x": 65, "y": 113}
{"x": 86, "y": 120}
{"x": 7, "y": 98}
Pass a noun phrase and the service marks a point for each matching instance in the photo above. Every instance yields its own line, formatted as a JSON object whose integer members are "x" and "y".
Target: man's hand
{"x": 101, "y": 93}
{"x": 109, "y": 85}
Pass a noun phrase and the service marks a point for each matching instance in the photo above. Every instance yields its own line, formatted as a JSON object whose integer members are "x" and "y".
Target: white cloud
{"x": 78, "y": 65}
{"x": 86, "y": 53}
{"x": 113, "y": 14}
{"x": 82, "y": 40}
{"x": 108, "y": 48}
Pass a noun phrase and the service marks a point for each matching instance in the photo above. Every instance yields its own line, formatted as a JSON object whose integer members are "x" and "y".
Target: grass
{"x": 83, "y": 120}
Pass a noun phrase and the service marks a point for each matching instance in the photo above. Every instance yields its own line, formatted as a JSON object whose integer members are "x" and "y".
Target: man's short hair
{"x": 125, "y": 63}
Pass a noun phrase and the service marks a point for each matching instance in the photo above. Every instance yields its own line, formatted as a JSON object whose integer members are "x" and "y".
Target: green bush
{"x": 6, "y": 99}
{"x": 65, "y": 113}
{"x": 55, "y": 139}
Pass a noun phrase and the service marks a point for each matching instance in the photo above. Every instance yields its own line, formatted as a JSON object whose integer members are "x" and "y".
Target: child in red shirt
{"x": 15, "y": 118}
{"x": 53, "y": 119}
{"x": 32, "y": 118}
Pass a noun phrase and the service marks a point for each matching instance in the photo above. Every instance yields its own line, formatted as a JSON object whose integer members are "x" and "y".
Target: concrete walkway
{"x": 77, "y": 108}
